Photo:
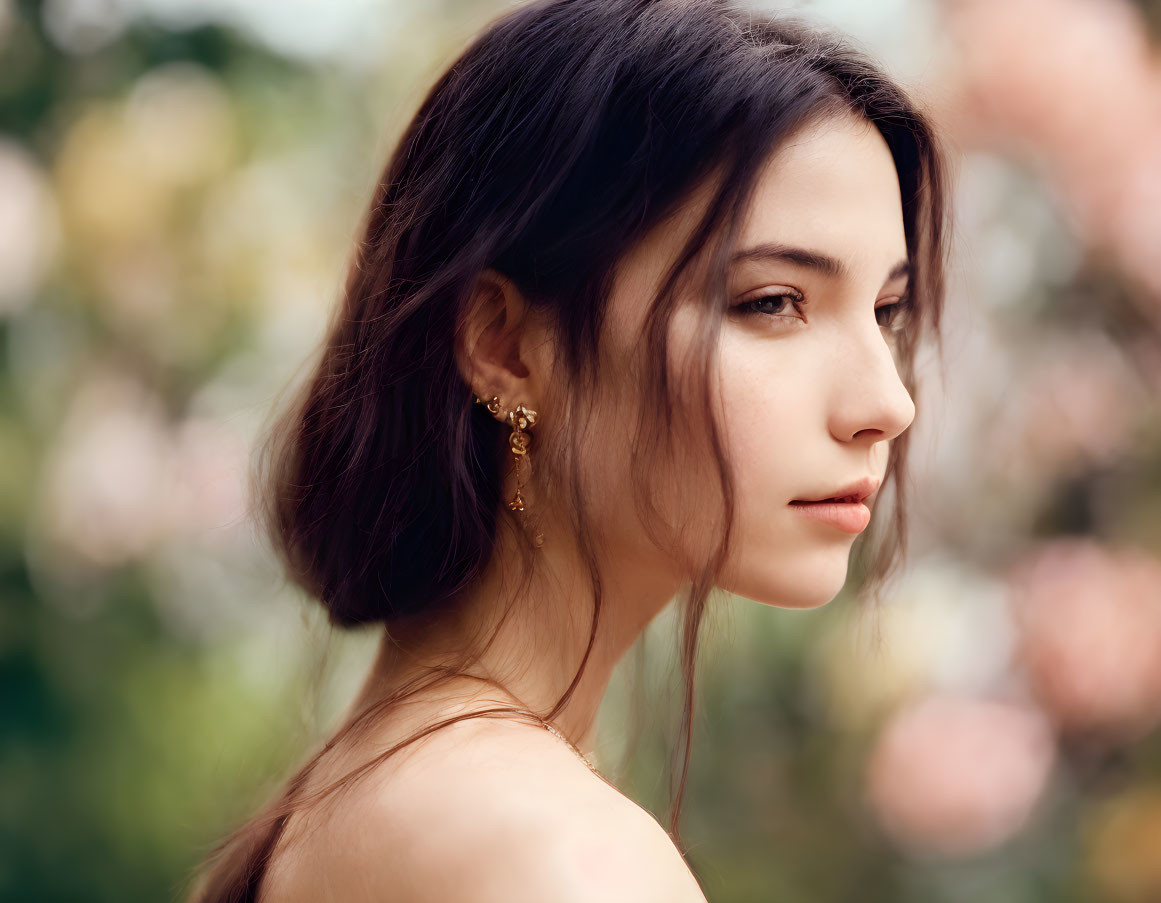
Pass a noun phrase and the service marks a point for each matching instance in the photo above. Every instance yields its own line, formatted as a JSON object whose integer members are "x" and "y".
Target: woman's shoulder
{"x": 486, "y": 810}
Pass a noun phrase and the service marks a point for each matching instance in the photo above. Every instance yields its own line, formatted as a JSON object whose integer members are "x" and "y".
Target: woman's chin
{"x": 797, "y": 588}
{"x": 805, "y": 601}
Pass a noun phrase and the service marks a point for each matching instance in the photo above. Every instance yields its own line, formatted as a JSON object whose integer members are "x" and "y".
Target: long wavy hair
{"x": 563, "y": 134}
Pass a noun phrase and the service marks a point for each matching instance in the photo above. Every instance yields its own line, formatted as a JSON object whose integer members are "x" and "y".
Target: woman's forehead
{"x": 833, "y": 188}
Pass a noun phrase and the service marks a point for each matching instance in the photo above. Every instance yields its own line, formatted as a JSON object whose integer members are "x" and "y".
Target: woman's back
{"x": 482, "y": 810}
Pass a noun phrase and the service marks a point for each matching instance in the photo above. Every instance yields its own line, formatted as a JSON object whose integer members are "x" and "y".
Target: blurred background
{"x": 180, "y": 187}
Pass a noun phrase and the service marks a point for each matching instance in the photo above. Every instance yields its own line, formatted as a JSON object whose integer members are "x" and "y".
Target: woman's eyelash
{"x": 897, "y": 313}
{"x": 748, "y": 307}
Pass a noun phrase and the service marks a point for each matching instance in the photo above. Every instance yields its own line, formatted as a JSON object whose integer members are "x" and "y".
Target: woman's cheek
{"x": 762, "y": 422}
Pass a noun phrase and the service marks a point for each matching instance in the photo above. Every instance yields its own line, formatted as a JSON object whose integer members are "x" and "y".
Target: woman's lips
{"x": 850, "y": 517}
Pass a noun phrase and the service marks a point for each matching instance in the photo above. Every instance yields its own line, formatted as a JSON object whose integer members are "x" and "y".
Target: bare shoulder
{"x": 491, "y": 810}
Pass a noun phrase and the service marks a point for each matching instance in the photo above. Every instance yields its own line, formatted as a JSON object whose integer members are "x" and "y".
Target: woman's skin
{"x": 495, "y": 810}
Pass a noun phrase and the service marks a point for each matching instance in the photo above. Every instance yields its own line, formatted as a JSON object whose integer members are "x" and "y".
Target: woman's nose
{"x": 869, "y": 395}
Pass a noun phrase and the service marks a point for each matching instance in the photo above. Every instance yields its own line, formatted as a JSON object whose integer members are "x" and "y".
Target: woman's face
{"x": 808, "y": 392}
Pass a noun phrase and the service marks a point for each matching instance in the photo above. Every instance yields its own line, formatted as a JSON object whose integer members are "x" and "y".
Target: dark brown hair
{"x": 558, "y": 139}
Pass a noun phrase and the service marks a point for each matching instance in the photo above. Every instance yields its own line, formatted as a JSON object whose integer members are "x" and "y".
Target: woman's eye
{"x": 773, "y": 304}
{"x": 787, "y": 305}
{"x": 894, "y": 316}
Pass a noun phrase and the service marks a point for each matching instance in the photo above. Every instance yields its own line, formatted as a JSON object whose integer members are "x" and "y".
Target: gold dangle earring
{"x": 520, "y": 419}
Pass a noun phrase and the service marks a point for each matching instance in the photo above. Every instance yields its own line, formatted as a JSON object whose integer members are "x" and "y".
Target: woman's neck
{"x": 539, "y": 642}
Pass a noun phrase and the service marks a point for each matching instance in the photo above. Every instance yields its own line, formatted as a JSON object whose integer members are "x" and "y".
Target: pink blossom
{"x": 954, "y": 775}
{"x": 1089, "y": 635}
{"x": 1079, "y": 101}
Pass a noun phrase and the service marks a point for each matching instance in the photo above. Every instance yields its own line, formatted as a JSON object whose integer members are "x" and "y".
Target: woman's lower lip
{"x": 850, "y": 517}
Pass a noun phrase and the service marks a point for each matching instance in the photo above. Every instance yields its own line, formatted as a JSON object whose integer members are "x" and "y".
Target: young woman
{"x": 639, "y": 291}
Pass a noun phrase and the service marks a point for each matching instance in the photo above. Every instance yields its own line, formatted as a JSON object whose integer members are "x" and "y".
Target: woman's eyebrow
{"x": 814, "y": 260}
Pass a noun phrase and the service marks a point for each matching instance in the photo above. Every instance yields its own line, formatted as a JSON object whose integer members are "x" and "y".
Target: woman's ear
{"x": 503, "y": 344}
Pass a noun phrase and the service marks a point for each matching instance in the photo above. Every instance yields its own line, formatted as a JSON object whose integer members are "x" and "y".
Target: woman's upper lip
{"x": 859, "y": 490}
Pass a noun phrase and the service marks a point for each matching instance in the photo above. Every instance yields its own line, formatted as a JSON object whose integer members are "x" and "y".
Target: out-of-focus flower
{"x": 7, "y": 15}
{"x": 272, "y": 233}
{"x": 954, "y": 775}
{"x": 210, "y": 478}
{"x": 130, "y": 179}
{"x": 1054, "y": 424}
{"x": 1093, "y": 53}
{"x": 1130, "y": 220}
{"x": 82, "y": 26}
{"x": 122, "y": 478}
{"x": 1148, "y": 357}
{"x": 1089, "y": 635}
{"x": 180, "y": 119}
{"x": 945, "y": 628}
{"x": 101, "y": 503}
{"x": 28, "y": 227}
{"x": 1123, "y": 841}
{"x": 107, "y": 196}
{"x": 1080, "y": 101}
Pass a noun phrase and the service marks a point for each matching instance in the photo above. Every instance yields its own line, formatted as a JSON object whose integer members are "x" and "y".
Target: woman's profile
{"x": 632, "y": 318}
